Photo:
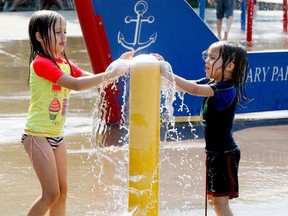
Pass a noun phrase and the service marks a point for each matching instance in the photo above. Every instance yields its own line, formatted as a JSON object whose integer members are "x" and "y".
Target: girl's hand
{"x": 127, "y": 55}
{"x": 116, "y": 69}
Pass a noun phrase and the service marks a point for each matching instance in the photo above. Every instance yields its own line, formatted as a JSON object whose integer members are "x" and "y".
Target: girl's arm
{"x": 83, "y": 82}
{"x": 88, "y": 80}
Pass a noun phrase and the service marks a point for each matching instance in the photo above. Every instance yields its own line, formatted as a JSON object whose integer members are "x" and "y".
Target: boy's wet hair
{"x": 237, "y": 54}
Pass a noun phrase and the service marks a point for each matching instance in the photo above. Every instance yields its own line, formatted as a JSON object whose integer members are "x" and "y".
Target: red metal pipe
{"x": 284, "y": 15}
{"x": 98, "y": 49}
{"x": 250, "y": 11}
{"x": 94, "y": 35}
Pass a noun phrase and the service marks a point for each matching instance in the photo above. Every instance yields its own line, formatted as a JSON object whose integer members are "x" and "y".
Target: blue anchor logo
{"x": 140, "y": 9}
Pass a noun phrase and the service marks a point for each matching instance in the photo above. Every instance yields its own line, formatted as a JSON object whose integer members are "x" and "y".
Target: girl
{"x": 51, "y": 78}
{"x": 223, "y": 87}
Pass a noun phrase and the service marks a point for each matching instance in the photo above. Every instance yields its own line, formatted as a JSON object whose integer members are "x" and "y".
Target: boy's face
{"x": 213, "y": 62}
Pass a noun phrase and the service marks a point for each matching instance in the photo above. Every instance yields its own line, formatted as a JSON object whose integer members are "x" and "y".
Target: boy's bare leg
{"x": 219, "y": 28}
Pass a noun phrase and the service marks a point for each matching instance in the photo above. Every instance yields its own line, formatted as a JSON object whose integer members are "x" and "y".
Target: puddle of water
{"x": 263, "y": 168}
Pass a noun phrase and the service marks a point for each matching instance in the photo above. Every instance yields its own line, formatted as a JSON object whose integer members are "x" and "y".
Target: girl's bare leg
{"x": 43, "y": 159}
{"x": 59, "y": 207}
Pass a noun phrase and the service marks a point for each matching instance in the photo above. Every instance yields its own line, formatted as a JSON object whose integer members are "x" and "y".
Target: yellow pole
{"x": 144, "y": 142}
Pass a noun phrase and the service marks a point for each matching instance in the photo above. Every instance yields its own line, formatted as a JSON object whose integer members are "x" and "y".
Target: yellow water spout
{"x": 144, "y": 154}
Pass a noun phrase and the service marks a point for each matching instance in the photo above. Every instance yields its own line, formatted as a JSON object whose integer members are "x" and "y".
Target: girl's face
{"x": 213, "y": 62}
{"x": 58, "y": 38}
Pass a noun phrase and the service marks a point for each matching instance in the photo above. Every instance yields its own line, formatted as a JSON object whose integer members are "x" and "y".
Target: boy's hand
{"x": 166, "y": 70}
{"x": 211, "y": 2}
{"x": 158, "y": 56}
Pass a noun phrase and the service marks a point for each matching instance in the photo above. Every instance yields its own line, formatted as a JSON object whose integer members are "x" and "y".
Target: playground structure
{"x": 153, "y": 26}
{"x": 181, "y": 40}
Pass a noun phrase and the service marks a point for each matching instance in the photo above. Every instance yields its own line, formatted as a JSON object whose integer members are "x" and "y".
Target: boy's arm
{"x": 189, "y": 86}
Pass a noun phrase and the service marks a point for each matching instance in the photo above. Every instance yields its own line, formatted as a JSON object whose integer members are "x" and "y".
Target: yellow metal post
{"x": 144, "y": 142}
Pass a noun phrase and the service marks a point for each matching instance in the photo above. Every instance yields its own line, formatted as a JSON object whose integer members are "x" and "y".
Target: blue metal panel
{"x": 267, "y": 81}
{"x": 174, "y": 30}
{"x": 181, "y": 34}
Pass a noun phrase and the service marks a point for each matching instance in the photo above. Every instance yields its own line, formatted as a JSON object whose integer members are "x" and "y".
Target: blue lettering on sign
{"x": 280, "y": 74}
{"x": 266, "y": 74}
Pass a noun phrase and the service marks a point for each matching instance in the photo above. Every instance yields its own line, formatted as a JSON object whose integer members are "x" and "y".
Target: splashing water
{"x": 110, "y": 142}
{"x": 169, "y": 95}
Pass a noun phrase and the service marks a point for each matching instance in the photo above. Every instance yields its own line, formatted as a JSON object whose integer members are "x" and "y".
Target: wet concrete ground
{"x": 263, "y": 169}
{"x": 267, "y": 32}
{"x": 263, "y": 177}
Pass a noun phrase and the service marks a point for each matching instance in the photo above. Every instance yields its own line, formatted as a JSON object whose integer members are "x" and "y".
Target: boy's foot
{"x": 220, "y": 37}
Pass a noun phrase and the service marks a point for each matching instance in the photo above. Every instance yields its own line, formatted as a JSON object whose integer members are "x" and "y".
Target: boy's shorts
{"x": 224, "y": 8}
{"x": 222, "y": 174}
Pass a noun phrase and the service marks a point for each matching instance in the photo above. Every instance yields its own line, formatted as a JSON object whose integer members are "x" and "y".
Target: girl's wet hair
{"x": 43, "y": 22}
{"x": 236, "y": 53}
